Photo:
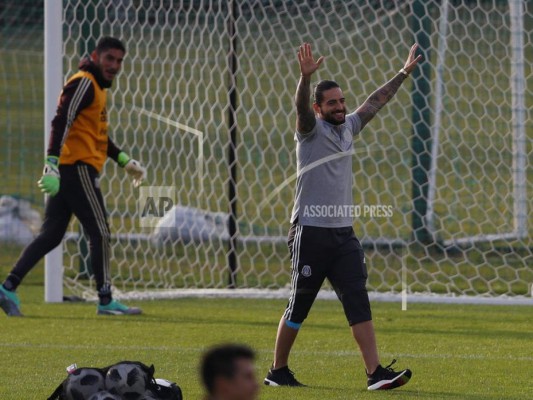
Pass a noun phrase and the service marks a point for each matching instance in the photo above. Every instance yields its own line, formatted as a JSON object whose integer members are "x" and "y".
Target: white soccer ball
{"x": 83, "y": 383}
{"x": 128, "y": 380}
{"x": 104, "y": 395}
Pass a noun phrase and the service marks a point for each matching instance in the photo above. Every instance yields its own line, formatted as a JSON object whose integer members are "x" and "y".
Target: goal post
{"x": 518, "y": 85}
{"x": 438, "y": 93}
{"x": 421, "y": 159}
{"x": 233, "y": 163}
{"x": 53, "y": 81}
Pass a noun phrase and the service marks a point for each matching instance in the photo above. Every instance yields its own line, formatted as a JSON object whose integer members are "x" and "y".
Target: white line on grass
{"x": 337, "y": 353}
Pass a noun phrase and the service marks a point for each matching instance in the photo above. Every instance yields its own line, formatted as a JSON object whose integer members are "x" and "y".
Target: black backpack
{"x": 161, "y": 388}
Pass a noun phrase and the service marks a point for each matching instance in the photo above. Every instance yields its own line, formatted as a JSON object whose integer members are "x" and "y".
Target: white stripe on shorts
{"x": 295, "y": 273}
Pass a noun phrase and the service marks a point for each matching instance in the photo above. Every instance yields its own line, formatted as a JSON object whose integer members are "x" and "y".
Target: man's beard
{"x": 107, "y": 84}
{"x": 329, "y": 118}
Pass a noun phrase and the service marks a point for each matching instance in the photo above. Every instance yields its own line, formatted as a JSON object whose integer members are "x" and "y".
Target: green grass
{"x": 455, "y": 352}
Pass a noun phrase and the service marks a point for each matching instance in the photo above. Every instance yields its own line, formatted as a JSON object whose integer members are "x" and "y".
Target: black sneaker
{"x": 282, "y": 377}
{"x": 386, "y": 378}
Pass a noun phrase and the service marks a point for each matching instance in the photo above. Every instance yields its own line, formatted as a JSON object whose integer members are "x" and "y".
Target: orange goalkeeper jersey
{"x": 85, "y": 139}
{"x": 79, "y": 129}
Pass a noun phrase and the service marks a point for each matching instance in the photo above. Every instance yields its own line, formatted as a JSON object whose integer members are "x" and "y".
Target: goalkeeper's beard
{"x": 106, "y": 83}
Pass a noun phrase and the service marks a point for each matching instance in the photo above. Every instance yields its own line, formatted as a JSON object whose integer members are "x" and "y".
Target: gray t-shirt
{"x": 324, "y": 174}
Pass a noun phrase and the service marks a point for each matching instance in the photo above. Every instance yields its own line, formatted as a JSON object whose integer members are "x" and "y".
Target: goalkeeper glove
{"x": 49, "y": 182}
{"x": 132, "y": 167}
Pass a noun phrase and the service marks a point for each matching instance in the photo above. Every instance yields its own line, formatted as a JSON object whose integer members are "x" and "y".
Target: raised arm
{"x": 380, "y": 97}
{"x": 305, "y": 116}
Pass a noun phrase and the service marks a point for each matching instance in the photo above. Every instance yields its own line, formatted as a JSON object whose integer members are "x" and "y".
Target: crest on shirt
{"x": 103, "y": 115}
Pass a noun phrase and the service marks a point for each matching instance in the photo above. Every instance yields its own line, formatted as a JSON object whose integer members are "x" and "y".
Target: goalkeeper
{"x": 324, "y": 245}
{"x": 78, "y": 147}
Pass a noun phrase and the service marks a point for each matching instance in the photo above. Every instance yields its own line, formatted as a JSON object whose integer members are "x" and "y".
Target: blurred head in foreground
{"x": 228, "y": 373}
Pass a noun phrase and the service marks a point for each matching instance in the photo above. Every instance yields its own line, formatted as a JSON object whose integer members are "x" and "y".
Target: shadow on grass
{"x": 475, "y": 331}
{"x": 412, "y": 394}
{"x": 150, "y": 318}
{"x": 402, "y": 393}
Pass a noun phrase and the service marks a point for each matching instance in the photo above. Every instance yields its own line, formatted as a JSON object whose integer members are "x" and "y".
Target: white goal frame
{"x": 518, "y": 87}
{"x": 54, "y": 81}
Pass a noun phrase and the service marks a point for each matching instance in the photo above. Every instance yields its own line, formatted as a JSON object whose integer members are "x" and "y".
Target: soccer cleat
{"x": 386, "y": 378}
{"x": 117, "y": 308}
{"x": 9, "y": 302}
{"x": 282, "y": 377}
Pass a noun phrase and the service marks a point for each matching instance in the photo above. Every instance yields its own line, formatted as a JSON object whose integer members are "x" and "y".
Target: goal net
{"x": 449, "y": 156}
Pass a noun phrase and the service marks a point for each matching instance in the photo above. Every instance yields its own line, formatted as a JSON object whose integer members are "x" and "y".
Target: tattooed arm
{"x": 380, "y": 97}
{"x": 305, "y": 117}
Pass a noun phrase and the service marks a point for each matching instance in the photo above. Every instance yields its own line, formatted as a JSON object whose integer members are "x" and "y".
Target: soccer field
{"x": 177, "y": 70}
{"x": 456, "y": 352}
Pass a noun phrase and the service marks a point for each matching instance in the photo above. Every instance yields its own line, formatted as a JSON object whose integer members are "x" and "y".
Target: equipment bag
{"x": 121, "y": 381}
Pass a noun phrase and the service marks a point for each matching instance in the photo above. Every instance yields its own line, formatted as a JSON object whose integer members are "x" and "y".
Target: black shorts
{"x": 332, "y": 253}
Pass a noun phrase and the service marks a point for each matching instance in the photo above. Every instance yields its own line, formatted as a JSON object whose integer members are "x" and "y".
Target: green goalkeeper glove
{"x": 49, "y": 182}
{"x": 132, "y": 167}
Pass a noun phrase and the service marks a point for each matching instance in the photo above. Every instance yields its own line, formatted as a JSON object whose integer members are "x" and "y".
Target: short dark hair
{"x": 321, "y": 87}
{"x": 109, "y": 42}
{"x": 220, "y": 361}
